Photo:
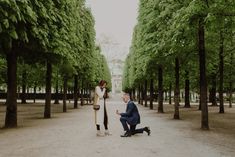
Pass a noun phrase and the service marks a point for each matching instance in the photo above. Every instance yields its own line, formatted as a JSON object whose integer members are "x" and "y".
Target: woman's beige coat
{"x": 99, "y": 100}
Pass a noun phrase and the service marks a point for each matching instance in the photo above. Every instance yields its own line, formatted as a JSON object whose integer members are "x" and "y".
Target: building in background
{"x": 116, "y": 68}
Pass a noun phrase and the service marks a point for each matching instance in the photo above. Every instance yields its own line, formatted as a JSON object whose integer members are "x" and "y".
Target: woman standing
{"x": 100, "y": 108}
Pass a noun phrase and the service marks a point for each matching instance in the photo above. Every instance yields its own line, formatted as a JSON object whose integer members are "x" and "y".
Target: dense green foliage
{"x": 59, "y": 31}
{"x": 44, "y": 43}
{"x": 170, "y": 37}
{"x": 168, "y": 29}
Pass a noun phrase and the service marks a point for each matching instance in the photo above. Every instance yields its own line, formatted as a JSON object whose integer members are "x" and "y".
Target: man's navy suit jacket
{"x": 132, "y": 114}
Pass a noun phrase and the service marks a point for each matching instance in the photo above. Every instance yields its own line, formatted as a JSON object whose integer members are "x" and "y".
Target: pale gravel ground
{"x": 72, "y": 134}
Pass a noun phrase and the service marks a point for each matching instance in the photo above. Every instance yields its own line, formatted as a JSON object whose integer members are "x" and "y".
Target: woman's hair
{"x": 102, "y": 82}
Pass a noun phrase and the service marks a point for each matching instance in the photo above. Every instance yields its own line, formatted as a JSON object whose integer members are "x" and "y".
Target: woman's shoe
{"x": 107, "y": 133}
{"x": 99, "y": 134}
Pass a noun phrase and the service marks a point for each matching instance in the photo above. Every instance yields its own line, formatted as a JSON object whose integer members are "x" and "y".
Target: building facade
{"x": 116, "y": 68}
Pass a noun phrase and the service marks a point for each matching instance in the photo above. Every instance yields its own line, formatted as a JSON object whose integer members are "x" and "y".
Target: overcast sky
{"x": 114, "y": 23}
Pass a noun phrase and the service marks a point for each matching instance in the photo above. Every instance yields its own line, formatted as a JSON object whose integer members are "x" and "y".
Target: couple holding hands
{"x": 128, "y": 119}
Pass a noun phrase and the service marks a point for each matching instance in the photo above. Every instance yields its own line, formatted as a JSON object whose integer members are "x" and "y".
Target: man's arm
{"x": 130, "y": 108}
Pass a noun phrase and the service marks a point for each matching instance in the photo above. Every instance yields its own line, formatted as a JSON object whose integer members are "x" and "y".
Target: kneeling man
{"x": 131, "y": 117}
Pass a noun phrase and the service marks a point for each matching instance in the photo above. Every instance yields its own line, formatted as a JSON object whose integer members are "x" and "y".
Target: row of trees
{"x": 44, "y": 42}
{"x": 186, "y": 43}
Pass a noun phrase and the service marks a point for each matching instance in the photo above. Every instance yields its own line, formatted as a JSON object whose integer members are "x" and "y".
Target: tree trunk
{"x": 151, "y": 94}
{"x": 187, "y": 91}
{"x": 177, "y": 89}
{"x": 87, "y": 100}
{"x": 65, "y": 93}
{"x": 170, "y": 89}
{"x": 82, "y": 97}
{"x": 61, "y": 89}
{"x": 34, "y": 93}
{"x": 213, "y": 91}
{"x": 230, "y": 94}
{"x": 231, "y": 81}
{"x": 134, "y": 96}
{"x": 57, "y": 90}
{"x": 221, "y": 72}
{"x": 90, "y": 98}
{"x": 11, "y": 110}
{"x": 47, "y": 111}
{"x": 166, "y": 95}
{"x": 181, "y": 97}
{"x": 203, "y": 81}
{"x": 146, "y": 93}
{"x": 142, "y": 95}
{"x": 139, "y": 88}
{"x": 79, "y": 94}
{"x": 160, "y": 90}
{"x": 75, "y": 91}
{"x": 200, "y": 104}
{"x": 130, "y": 93}
{"x": 23, "y": 95}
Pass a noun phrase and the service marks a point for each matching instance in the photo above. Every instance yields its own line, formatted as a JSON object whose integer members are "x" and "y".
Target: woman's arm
{"x": 100, "y": 92}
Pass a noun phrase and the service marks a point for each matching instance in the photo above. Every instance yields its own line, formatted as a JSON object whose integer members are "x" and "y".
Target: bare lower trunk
{"x": 57, "y": 91}
{"x": 11, "y": 111}
{"x": 170, "y": 89}
{"x": 47, "y": 111}
{"x": 146, "y": 93}
{"x": 34, "y": 93}
{"x": 130, "y": 92}
{"x": 87, "y": 100}
{"x": 134, "y": 97}
{"x": 151, "y": 94}
{"x": 214, "y": 101}
{"x": 90, "y": 98}
{"x": 221, "y": 72}
{"x": 142, "y": 96}
{"x": 203, "y": 81}
{"x": 65, "y": 94}
{"x": 230, "y": 94}
{"x": 75, "y": 91}
{"x": 23, "y": 95}
{"x": 187, "y": 91}
{"x": 165, "y": 96}
{"x": 139, "y": 88}
{"x": 82, "y": 97}
{"x": 177, "y": 90}
{"x": 231, "y": 81}
{"x": 213, "y": 91}
{"x": 160, "y": 90}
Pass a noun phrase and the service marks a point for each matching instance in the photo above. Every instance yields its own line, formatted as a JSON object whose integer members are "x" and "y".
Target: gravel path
{"x": 73, "y": 134}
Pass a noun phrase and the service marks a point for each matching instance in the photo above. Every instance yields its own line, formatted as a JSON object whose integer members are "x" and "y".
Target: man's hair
{"x": 126, "y": 94}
